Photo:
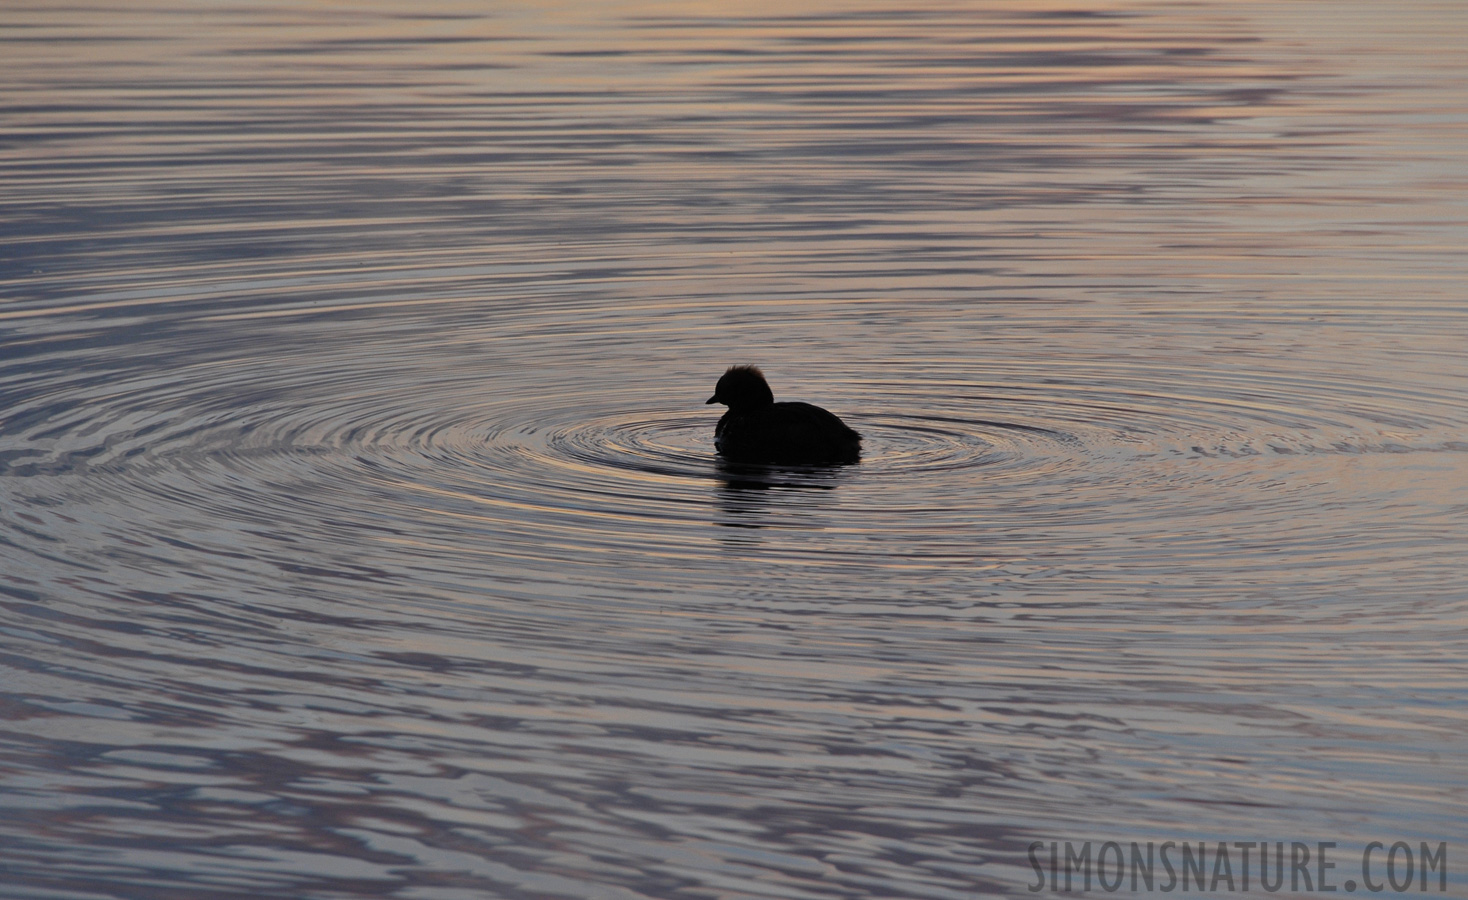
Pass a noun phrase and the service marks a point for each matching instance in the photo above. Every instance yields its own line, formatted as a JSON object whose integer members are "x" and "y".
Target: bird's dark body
{"x": 789, "y": 433}
{"x": 758, "y": 430}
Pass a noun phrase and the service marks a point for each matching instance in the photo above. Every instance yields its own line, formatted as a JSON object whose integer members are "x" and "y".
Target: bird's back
{"x": 789, "y": 433}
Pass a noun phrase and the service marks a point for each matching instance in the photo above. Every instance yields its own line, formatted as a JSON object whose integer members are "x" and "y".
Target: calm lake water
{"x": 360, "y": 525}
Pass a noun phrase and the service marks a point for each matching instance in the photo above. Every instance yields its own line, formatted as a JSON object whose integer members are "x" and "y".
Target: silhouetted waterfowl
{"x": 756, "y": 429}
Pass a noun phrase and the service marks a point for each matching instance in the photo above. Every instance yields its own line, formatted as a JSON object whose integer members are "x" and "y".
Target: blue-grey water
{"x": 361, "y": 533}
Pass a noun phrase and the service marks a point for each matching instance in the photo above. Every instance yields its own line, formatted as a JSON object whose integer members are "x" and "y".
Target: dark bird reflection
{"x": 753, "y": 496}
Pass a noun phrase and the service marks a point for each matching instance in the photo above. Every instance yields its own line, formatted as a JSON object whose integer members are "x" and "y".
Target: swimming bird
{"x": 756, "y": 429}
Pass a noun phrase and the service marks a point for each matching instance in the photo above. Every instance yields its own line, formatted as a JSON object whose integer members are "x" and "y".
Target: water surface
{"x": 362, "y": 534}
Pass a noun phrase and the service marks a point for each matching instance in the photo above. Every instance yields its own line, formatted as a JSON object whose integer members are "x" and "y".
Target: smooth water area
{"x": 361, "y": 533}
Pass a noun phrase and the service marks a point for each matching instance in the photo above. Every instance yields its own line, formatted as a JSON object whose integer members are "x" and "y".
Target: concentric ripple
{"x": 554, "y": 470}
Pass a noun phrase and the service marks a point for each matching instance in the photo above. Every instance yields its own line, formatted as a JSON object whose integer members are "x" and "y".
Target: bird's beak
{"x": 713, "y": 399}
